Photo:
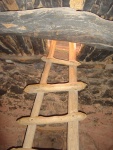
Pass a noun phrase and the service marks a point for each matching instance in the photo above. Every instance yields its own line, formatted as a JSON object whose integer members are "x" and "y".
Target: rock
{"x": 8, "y": 67}
{"x": 16, "y": 89}
{"x": 109, "y": 66}
{"x": 2, "y": 92}
{"x": 108, "y": 94}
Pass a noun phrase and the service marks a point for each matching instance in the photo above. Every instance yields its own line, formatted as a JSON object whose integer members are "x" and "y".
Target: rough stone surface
{"x": 96, "y": 100}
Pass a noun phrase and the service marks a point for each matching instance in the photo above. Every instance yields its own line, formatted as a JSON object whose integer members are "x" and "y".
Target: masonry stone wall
{"x": 96, "y": 100}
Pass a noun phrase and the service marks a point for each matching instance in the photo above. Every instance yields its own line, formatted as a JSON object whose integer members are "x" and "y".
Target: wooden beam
{"x": 77, "y": 4}
{"x": 35, "y": 88}
{"x": 73, "y": 131}
{"x": 60, "y": 24}
{"x": 6, "y": 40}
{"x": 40, "y": 120}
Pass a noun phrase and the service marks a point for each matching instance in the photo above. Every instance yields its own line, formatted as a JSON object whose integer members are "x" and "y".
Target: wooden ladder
{"x": 72, "y": 87}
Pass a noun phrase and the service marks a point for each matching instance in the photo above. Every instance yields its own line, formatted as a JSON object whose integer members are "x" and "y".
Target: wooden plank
{"x": 8, "y": 43}
{"x": 51, "y": 120}
{"x": 73, "y": 134}
{"x": 28, "y": 44}
{"x": 38, "y": 45}
{"x": 10, "y": 4}
{"x": 22, "y": 45}
{"x": 38, "y": 101}
{"x": 35, "y": 88}
{"x": 73, "y": 26}
{"x": 61, "y": 62}
{"x": 5, "y": 49}
{"x": 77, "y": 4}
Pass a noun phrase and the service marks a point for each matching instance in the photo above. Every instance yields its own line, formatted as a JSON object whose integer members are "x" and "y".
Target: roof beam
{"x": 59, "y": 24}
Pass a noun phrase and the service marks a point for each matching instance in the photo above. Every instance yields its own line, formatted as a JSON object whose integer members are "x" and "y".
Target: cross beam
{"x": 59, "y": 24}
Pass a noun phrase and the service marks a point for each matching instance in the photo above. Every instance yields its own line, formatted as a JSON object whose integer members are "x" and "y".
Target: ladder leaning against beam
{"x": 72, "y": 87}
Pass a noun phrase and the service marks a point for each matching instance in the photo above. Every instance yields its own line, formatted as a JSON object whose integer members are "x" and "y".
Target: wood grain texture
{"x": 10, "y": 4}
{"x": 40, "y": 120}
{"x": 77, "y": 4}
{"x": 73, "y": 127}
{"x": 35, "y": 88}
{"x": 61, "y": 24}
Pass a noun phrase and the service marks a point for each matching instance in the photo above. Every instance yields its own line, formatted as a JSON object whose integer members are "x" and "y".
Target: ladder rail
{"x": 73, "y": 133}
{"x": 28, "y": 141}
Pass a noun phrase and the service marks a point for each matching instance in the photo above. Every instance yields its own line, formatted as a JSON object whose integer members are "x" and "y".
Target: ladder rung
{"x": 51, "y": 120}
{"x": 35, "y": 88}
{"x": 62, "y": 62}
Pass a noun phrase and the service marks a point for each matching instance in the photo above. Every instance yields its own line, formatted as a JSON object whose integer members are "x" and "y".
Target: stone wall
{"x": 96, "y": 100}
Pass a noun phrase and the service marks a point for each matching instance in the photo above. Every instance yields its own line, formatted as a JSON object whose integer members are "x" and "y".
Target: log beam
{"x": 59, "y": 24}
